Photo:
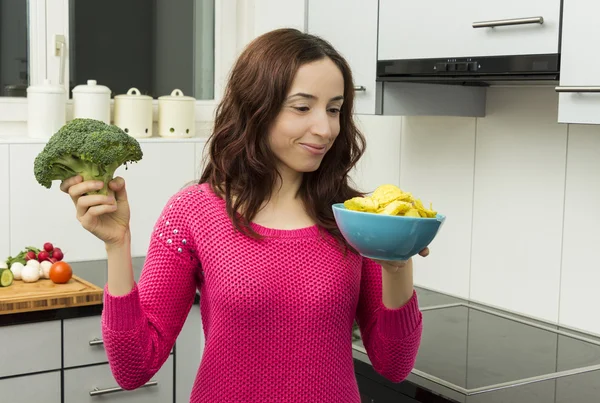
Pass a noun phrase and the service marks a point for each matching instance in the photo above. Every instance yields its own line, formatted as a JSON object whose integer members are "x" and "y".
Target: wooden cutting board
{"x": 44, "y": 294}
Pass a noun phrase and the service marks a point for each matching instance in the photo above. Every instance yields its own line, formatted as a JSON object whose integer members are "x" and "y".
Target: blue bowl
{"x": 386, "y": 237}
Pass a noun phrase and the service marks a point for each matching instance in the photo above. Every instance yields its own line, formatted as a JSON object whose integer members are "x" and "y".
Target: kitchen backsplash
{"x": 518, "y": 189}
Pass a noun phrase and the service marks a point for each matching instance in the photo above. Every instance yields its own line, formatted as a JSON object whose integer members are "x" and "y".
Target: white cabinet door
{"x": 580, "y": 61}
{"x": 97, "y": 384}
{"x": 31, "y": 388}
{"x": 440, "y": 28}
{"x": 4, "y": 210}
{"x": 50, "y": 211}
{"x": 262, "y": 16}
{"x": 165, "y": 169}
{"x": 336, "y": 21}
{"x": 34, "y": 347}
{"x": 188, "y": 353}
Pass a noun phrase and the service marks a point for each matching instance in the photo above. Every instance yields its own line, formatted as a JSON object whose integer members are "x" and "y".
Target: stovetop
{"x": 472, "y": 353}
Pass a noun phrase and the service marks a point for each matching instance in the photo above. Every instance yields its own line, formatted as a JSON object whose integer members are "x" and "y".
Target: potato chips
{"x": 391, "y": 200}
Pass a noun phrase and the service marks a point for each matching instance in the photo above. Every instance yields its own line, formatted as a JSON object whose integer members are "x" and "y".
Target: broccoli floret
{"x": 86, "y": 147}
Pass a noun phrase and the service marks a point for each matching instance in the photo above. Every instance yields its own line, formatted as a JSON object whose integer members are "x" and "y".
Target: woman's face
{"x": 309, "y": 120}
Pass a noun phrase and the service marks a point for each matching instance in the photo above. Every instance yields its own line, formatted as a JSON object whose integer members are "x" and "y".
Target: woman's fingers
{"x": 117, "y": 185}
{"x": 91, "y": 203}
{"x": 78, "y": 190}
{"x": 67, "y": 183}
{"x": 94, "y": 212}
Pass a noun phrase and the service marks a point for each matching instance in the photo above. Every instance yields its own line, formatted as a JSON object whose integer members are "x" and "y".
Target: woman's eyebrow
{"x": 310, "y": 96}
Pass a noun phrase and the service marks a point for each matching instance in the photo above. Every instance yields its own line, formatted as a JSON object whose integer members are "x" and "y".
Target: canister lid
{"x": 91, "y": 87}
{"x": 176, "y": 95}
{"x": 46, "y": 87}
{"x": 134, "y": 94}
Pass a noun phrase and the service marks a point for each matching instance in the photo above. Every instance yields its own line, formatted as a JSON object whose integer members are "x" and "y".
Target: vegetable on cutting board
{"x": 17, "y": 268}
{"x": 6, "y": 277}
{"x": 30, "y": 274}
{"x": 32, "y": 264}
{"x": 61, "y": 272}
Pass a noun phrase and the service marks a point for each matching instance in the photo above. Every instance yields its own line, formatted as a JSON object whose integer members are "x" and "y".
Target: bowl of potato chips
{"x": 390, "y": 224}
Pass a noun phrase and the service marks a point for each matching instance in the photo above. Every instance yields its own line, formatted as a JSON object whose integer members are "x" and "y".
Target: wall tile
{"x": 437, "y": 166}
{"x": 518, "y": 203}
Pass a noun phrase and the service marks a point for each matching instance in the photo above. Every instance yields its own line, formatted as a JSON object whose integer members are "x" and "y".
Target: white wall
{"x": 518, "y": 189}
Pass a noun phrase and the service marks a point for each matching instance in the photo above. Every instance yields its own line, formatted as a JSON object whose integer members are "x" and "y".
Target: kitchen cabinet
{"x": 50, "y": 211}
{"x": 336, "y": 21}
{"x": 30, "y": 348}
{"x": 82, "y": 342}
{"x": 4, "y": 202}
{"x": 96, "y": 383}
{"x": 32, "y": 388}
{"x": 438, "y": 28}
{"x": 189, "y": 347}
{"x": 579, "y": 90}
{"x": 165, "y": 168}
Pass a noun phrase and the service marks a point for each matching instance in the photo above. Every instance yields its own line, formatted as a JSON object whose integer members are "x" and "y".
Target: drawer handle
{"x": 96, "y": 342}
{"x": 360, "y": 88}
{"x": 99, "y": 392}
{"x": 511, "y": 21}
{"x": 577, "y": 89}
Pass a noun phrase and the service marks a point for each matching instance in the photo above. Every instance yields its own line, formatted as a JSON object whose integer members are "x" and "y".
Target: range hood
{"x": 477, "y": 71}
{"x": 469, "y": 43}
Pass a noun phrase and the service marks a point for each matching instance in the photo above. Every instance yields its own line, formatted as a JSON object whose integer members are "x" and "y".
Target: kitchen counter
{"x": 472, "y": 353}
{"x": 56, "y": 314}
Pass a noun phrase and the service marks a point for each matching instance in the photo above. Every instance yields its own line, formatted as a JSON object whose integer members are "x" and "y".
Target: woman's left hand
{"x": 393, "y": 266}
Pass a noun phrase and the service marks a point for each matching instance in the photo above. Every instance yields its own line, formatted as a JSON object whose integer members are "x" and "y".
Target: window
{"x": 153, "y": 45}
{"x": 156, "y": 46}
{"x": 14, "y": 61}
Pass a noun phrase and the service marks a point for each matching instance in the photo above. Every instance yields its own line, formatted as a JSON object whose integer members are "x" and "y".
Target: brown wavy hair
{"x": 241, "y": 167}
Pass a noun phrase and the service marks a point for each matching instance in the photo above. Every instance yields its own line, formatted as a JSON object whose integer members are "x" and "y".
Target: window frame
{"x": 48, "y": 18}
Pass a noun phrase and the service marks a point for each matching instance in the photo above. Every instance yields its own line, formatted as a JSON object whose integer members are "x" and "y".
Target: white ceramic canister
{"x": 92, "y": 101}
{"x": 46, "y": 109}
{"x": 133, "y": 113}
{"x": 176, "y": 115}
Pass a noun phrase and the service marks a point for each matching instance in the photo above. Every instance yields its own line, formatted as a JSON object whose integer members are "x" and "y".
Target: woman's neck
{"x": 285, "y": 210}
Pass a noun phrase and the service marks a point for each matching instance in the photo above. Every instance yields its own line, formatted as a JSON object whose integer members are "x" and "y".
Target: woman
{"x": 279, "y": 287}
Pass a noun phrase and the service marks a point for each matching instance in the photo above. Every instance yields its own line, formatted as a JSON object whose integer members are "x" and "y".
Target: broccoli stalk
{"x": 68, "y": 166}
{"x": 85, "y": 147}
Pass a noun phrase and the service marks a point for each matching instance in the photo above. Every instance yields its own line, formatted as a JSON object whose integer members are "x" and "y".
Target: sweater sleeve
{"x": 391, "y": 336}
{"x": 140, "y": 328}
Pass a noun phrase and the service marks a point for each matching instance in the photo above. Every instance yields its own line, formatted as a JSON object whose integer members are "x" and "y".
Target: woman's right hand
{"x": 107, "y": 217}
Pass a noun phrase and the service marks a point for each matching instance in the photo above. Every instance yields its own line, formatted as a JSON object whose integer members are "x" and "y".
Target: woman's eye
{"x": 301, "y": 108}
{"x": 334, "y": 110}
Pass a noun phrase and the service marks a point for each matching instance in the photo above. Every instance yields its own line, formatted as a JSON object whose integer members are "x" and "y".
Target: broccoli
{"x": 86, "y": 147}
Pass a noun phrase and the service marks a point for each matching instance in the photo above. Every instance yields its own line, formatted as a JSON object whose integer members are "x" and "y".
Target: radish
{"x": 57, "y": 254}
{"x": 43, "y": 255}
{"x": 30, "y": 255}
{"x": 48, "y": 247}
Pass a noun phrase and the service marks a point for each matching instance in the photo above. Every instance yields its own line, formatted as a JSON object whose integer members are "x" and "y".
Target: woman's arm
{"x": 141, "y": 322}
{"x": 397, "y": 285}
{"x": 390, "y": 330}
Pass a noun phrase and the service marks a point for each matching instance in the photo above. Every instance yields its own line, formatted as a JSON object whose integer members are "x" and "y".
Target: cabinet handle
{"x": 511, "y": 21}
{"x": 99, "y": 392}
{"x": 96, "y": 341}
{"x": 577, "y": 89}
{"x": 360, "y": 88}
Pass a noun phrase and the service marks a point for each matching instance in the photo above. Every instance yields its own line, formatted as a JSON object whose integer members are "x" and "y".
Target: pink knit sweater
{"x": 277, "y": 313}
